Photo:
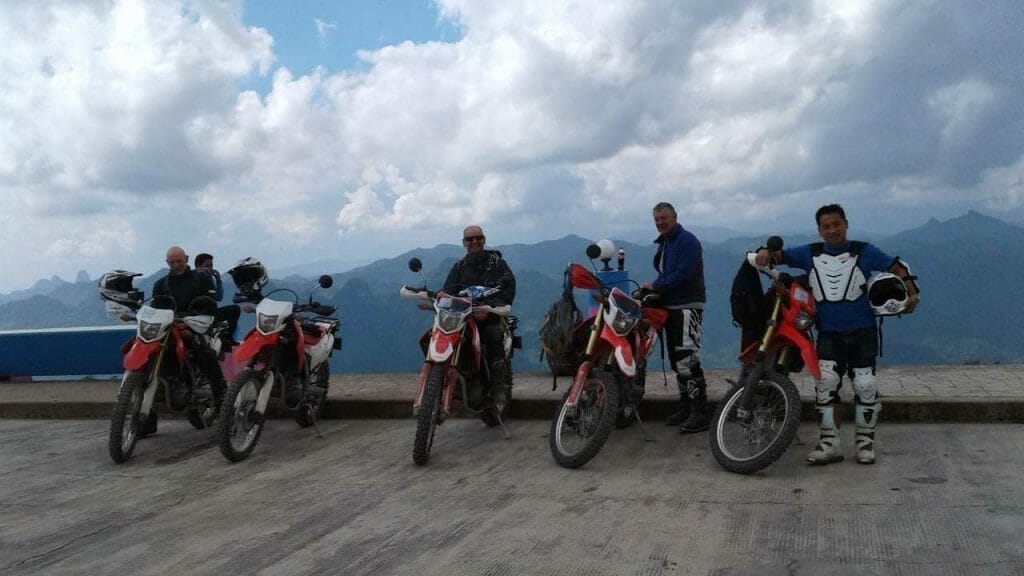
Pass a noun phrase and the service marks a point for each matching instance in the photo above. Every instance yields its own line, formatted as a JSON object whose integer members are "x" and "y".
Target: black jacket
{"x": 485, "y": 268}
{"x": 185, "y": 288}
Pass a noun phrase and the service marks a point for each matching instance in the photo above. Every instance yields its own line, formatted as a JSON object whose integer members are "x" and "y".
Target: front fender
{"x": 442, "y": 346}
{"x": 253, "y": 342}
{"x": 139, "y": 353}
{"x": 621, "y": 350}
{"x": 807, "y": 350}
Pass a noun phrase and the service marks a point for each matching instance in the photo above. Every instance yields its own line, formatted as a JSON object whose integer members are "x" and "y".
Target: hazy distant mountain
{"x": 967, "y": 266}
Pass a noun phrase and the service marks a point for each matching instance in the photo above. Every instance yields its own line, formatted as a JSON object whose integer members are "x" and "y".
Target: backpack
{"x": 556, "y": 333}
{"x": 746, "y": 299}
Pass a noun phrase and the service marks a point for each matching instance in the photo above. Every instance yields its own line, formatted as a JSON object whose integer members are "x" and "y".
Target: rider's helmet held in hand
{"x": 887, "y": 294}
{"x": 249, "y": 276}
{"x": 116, "y": 289}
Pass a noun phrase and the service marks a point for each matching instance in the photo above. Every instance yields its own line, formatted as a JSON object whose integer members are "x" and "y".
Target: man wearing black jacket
{"x": 185, "y": 286}
{"x": 481, "y": 267}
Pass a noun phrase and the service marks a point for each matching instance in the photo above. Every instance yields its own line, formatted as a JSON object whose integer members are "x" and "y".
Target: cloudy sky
{"x": 298, "y": 132}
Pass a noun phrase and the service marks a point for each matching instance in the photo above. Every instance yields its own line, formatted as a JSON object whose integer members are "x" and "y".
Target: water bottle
{"x": 622, "y": 258}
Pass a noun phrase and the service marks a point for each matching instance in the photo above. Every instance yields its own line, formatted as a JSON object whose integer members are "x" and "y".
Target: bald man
{"x": 185, "y": 285}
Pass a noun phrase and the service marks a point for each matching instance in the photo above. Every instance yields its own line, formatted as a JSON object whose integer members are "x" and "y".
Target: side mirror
{"x": 326, "y": 281}
{"x": 415, "y": 265}
{"x": 593, "y": 251}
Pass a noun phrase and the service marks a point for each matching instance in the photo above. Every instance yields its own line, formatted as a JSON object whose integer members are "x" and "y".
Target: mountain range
{"x": 968, "y": 267}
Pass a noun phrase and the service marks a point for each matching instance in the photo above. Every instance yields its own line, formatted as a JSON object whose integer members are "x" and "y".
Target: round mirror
{"x": 415, "y": 265}
{"x": 593, "y": 251}
{"x": 326, "y": 281}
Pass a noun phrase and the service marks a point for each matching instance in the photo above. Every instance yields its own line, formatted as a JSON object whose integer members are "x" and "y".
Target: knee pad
{"x": 826, "y": 389}
{"x": 865, "y": 385}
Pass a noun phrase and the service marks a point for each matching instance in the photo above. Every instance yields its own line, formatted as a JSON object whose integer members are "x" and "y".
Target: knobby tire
{"x": 426, "y": 420}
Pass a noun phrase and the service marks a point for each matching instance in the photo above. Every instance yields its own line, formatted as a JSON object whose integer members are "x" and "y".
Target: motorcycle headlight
{"x": 266, "y": 323}
{"x": 148, "y": 331}
{"x": 623, "y": 323}
{"x": 803, "y": 320}
{"x": 448, "y": 322}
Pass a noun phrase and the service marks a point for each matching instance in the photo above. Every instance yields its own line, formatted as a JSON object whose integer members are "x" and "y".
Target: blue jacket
{"x": 680, "y": 265}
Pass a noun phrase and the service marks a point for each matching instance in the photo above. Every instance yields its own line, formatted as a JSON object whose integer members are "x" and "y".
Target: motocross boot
{"x": 699, "y": 419}
{"x": 866, "y": 418}
{"x": 683, "y": 411}
{"x": 830, "y": 446}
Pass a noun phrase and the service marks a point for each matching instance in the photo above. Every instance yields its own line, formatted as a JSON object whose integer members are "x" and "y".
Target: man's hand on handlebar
{"x": 765, "y": 256}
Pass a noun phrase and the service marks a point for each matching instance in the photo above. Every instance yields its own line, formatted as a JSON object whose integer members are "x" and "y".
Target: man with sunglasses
{"x": 481, "y": 267}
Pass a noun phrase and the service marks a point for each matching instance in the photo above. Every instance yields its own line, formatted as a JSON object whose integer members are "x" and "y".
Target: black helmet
{"x": 116, "y": 286}
{"x": 203, "y": 305}
{"x": 249, "y": 276}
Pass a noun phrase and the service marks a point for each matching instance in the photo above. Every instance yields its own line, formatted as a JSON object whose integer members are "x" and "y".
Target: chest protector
{"x": 836, "y": 278}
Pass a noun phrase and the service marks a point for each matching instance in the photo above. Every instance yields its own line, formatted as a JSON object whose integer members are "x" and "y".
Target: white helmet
{"x": 116, "y": 287}
{"x": 887, "y": 294}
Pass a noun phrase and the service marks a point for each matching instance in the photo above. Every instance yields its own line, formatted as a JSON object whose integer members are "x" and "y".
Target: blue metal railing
{"x": 63, "y": 351}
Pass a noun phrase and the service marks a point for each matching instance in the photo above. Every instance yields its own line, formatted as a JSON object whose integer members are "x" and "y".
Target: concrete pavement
{"x": 942, "y": 499}
{"x": 953, "y": 393}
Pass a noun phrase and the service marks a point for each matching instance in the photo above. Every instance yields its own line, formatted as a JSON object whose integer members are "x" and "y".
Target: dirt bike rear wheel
{"x": 239, "y": 428}
{"x": 316, "y": 396}
{"x": 746, "y": 445}
{"x": 125, "y": 422}
{"x": 576, "y": 438}
{"x": 429, "y": 414}
{"x": 498, "y": 408}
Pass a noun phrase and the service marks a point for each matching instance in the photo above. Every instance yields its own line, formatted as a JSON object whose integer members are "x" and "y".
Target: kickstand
{"x": 501, "y": 423}
{"x": 316, "y": 423}
{"x": 643, "y": 429}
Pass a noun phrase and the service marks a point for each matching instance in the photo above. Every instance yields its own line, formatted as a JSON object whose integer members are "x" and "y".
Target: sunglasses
{"x": 473, "y": 239}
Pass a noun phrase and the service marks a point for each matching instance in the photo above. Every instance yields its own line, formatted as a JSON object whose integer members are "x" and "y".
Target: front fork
{"x": 152, "y": 384}
{"x": 753, "y": 376}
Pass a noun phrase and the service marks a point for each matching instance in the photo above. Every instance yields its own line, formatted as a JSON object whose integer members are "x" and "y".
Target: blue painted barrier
{"x": 63, "y": 351}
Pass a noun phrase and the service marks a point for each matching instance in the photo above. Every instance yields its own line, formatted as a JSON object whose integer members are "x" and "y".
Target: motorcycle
{"x": 609, "y": 383}
{"x": 454, "y": 359}
{"x": 284, "y": 347}
{"x": 160, "y": 354}
{"x": 758, "y": 418}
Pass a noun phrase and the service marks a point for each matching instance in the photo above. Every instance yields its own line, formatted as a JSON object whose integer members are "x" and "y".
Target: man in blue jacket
{"x": 847, "y": 336}
{"x": 680, "y": 283}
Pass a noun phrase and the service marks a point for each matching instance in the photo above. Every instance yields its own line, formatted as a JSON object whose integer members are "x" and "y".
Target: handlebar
{"x": 422, "y": 293}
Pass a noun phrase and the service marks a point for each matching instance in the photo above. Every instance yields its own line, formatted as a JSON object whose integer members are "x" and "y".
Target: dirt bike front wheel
{"x": 578, "y": 434}
{"x": 429, "y": 414}
{"x": 747, "y": 442}
{"x": 240, "y": 427}
{"x": 125, "y": 422}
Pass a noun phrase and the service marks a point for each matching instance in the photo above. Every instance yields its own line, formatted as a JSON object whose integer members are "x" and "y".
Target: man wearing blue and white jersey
{"x": 847, "y": 345}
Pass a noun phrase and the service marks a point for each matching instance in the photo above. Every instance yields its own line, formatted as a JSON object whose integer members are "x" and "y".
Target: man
{"x": 481, "y": 267}
{"x": 230, "y": 313}
{"x": 680, "y": 284}
{"x": 847, "y": 337}
{"x": 186, "y": 286}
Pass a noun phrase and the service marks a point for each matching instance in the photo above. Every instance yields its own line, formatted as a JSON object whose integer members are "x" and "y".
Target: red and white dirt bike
{"x": 758, "y": 418}
{"x": 603, "y": 390}
{"x": 160, "y": 354}
{"x": 455, "y": 359}
{"x": 286, "y": 348}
